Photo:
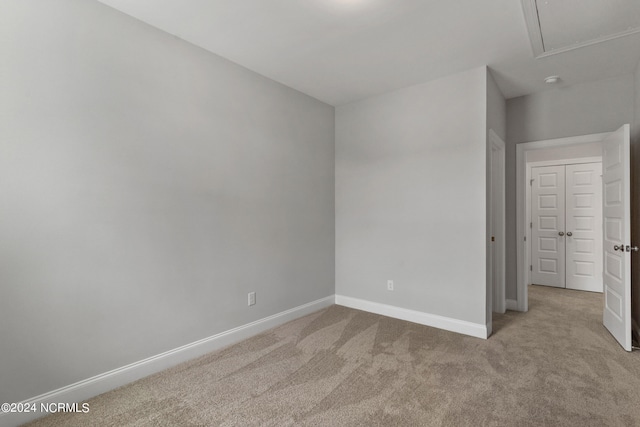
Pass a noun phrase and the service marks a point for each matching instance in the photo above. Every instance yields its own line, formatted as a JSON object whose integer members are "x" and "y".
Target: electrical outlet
{"x": 389, "y": 285}
{"x": 252, "y": 298}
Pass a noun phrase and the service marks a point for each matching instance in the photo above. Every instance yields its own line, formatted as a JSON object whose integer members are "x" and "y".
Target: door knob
{"x": 618, "y": 248}
{"x": 632, "y": 248}
{"x": 569, "y": 233}
{"x": 560, "y": 233}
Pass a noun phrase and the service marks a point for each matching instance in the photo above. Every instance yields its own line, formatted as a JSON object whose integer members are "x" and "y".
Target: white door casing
{"x": 548, "y": 225}
{"x": 523, "y": 199}
{"x": 617, "y": 233}
{"x": 583, "y": 222}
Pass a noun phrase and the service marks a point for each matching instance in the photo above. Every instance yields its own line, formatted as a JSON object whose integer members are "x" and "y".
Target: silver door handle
{"x": 618, "y": 248}
{"x": 632, "y": 248}
{"x": 569, "y": 233}
{"x": 560, "y": 233}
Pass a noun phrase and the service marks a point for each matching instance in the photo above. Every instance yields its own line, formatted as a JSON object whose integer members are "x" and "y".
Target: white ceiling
{"x": 339, "y": 51}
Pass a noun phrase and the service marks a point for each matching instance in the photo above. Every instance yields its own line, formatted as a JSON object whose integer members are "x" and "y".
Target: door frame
{"x": 523, "y": 209}
{"x": 496, "y": 223}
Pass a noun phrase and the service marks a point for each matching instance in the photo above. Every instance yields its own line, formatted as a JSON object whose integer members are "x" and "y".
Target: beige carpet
{"x": 553, "y": 366}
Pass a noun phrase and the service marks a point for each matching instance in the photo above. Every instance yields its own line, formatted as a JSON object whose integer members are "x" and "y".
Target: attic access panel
{"x": 559, "y": 25}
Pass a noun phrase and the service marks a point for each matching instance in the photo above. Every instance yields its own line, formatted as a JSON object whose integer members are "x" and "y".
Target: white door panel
{"x": 547, "y": 213}
{"x": 584, "y": 227}
{"x": 617, "y": 222}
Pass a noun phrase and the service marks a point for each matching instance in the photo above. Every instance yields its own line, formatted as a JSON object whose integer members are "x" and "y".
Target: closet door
{"x": 547, "y": 228}
{"x": 584, "y": 227}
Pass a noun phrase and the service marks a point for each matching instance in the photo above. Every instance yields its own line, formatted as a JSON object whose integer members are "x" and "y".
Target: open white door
{"x": 617, "y": 235}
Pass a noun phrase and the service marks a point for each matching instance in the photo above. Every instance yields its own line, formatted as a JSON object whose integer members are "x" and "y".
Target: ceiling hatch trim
{"x": 532, "y": 18}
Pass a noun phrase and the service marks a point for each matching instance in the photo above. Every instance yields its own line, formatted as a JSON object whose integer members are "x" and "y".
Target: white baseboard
{"x": 102, "y": 383}
{"x": 512, "y": 304}
{"x": 454, "y": 325}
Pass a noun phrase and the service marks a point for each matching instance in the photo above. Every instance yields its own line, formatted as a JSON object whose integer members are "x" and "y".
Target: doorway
{"x": 566, "y": 225}
{"x": 588, "y": 148}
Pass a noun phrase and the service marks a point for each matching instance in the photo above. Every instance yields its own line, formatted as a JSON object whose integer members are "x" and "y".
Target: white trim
{"x": 102, "y": 383}
{"x": 522, "y": 199}
{"x": 512, "y": 304}
{"x": 589, "y": 42}
{"x": 447, "y": 323}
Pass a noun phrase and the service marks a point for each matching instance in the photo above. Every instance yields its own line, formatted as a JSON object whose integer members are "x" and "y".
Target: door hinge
{"x": 531, "y": 182}
{"x": 493, "y": 239}
{"x": 525, "y": 238}
{"x": 531, "y": 268}
{"x": 531, "y": 225}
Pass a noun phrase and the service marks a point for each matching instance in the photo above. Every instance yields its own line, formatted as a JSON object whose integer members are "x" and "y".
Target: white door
{"x": 617, "y": 235}
{"x": 583, "y": 242}
{"x": 547, "y": 234}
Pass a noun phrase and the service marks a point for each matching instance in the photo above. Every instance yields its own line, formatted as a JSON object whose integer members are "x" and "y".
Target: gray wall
{"x": 496, "y": 109}
{"x": 591, "y": 149}
{"x": 497, "y": 121}
{"x": 147, "y": 186}
{"x": 600, "y": 106}
{"x": 410, "y": 193}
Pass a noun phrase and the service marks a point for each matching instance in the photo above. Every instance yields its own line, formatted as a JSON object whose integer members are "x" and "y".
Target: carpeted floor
{"x": 553, "y": 366}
